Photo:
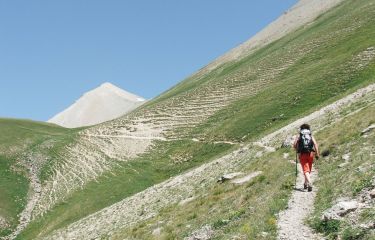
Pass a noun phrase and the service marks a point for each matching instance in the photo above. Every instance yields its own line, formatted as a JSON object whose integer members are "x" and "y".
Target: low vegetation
{"x": 250, "y": 211}
{"x": 21, "y": 141}
{"x": 231, "y": 210}
{"x": 166, "y": 160}
{"x": 347, "y": 171}
{"x": 251, "y": 97}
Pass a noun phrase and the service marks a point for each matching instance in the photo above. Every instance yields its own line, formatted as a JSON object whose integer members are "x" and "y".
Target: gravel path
{"x": 291, "y": 221}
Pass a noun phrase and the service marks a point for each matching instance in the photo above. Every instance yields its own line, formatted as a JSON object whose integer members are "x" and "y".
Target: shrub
{"x": 353, "y": 234}
{"x": 327, "y": 227}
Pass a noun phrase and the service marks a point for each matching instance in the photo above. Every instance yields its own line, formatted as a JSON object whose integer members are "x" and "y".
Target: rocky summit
{"x": 102, "y": 104}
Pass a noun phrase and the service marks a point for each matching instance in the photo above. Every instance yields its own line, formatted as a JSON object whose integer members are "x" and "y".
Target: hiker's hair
{"x": 305, "y": 126}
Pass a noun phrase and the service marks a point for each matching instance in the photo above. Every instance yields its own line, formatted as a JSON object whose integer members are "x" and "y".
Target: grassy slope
{"x": 320, "y": 77}
{"x": 13, "y": 191}
{"x": 230, "y": 209}
{"x": 337, "y": 182}
{"x": 250, "y": 211}
{"x": 17, "y": 139}
{"x": 126, "y": 180}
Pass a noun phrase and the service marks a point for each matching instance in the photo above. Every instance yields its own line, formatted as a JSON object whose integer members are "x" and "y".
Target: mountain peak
{"x": 107, "y": 84}
{"x": 101, "y": 104}
{"x": 111, "y": 88}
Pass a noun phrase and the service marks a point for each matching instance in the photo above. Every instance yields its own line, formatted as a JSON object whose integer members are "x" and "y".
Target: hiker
{"x": 307, "y": 148}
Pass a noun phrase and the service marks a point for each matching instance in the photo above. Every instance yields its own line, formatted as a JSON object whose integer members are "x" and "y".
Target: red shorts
{"x": 306, "y": 160}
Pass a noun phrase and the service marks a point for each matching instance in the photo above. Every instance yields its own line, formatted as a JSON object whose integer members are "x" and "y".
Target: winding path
{"x": 291, "y": 221}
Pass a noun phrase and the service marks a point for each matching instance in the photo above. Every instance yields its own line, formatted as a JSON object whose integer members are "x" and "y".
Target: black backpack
{"x": 305, "y": 142}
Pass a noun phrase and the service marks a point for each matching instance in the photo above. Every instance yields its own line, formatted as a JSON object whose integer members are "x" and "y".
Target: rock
{"x": 339, "y": 210}
{"x": 187, "y": 200}
{"x": 343, "y": 164}
{"x": 361, "y": 169}
{"x": 325, "y": 153}
{"x": 368, "y": 226}
{"x": 244, "y": 149}
{"x": 157, "y": 231}
{"x": 367, "y": 130}
{"x": 346, "y": 157}
{"x": 372, "y": 193}
{"x": 229, "y": 176}
{"x": 288, "y": 142}
{"x": 270, "y": 149}
{"x": 285, "y": 155}
{"x": 3, "y": 223}
{"x": 259, "y": 154}
{"x": 262, "y": 145}
{"x": 205, "y": 233}
{"x": 246, "y": 178}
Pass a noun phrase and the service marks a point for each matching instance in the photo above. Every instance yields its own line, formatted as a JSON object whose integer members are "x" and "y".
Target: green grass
{"x": 320, "y": 77}
{"x": 18, "y": 140}
{"x": 250, "y": 211}
{"x": 166, "y": 160}
{"x": 13, "y": 191}
{"x": 316, "y": 78}
{"x": 18, "y": 135}
{"x": 335, "y": 182}
{"x": 246, "y": 210}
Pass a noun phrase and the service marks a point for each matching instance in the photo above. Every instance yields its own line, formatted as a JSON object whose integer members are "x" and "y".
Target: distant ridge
{"x": 102, "y": 104}
{"x": 302, "y": 13}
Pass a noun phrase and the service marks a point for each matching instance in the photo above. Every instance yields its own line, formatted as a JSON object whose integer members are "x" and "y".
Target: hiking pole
{"x": 295, "y": 184}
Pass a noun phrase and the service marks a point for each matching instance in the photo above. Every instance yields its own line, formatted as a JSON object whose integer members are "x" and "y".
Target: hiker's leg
{"x": 305, "y": 166}
{"x": 311, "y": 160}
{"x": 307, "y": 178}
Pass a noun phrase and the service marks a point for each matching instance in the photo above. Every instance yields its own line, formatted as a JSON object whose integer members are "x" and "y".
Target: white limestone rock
{"x": 102, "y": 104}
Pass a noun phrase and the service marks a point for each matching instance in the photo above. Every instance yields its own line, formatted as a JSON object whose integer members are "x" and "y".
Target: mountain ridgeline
{"x": 152, "y": 174}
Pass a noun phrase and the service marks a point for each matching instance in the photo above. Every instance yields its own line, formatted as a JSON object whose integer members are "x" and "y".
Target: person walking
{"x": 306, "y": 147}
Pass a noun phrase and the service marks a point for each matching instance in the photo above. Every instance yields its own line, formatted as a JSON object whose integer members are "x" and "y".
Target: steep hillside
{"x": 26, "y": 150}
{"x": 203, "y": 118}
{"x": 304, "y": 12}
{"x": 347, "y": 176}
{"x": 247, "y": 207}
{"x": 102, "y": 104}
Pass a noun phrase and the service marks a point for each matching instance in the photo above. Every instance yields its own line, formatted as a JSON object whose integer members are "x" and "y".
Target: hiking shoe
{"x": 309, "y": 188}
{"x": 305, "y": 186}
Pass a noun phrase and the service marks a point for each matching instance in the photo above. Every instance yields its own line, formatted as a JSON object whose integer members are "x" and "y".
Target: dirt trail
{"x": 126, "y": 136}
{"x": 291, "y": 221}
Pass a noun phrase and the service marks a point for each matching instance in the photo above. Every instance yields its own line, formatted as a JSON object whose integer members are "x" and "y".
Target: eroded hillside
{"x": 203, "y": 118}
{"x": 244, "y": 207}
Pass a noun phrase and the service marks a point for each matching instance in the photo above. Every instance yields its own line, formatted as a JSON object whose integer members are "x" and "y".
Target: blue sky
{"x": 51, "y": 52}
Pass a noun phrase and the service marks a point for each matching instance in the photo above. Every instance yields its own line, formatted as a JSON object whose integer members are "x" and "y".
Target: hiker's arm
{"x": 295, "y": 142}
{"x": 316, "y": 147}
